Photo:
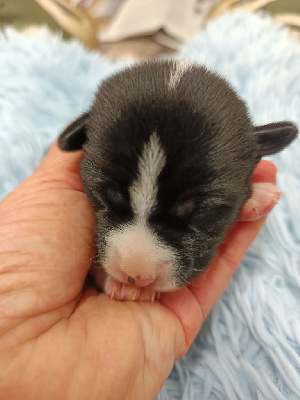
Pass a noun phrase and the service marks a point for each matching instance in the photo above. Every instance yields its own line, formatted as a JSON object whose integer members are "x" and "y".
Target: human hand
{"x": 59, "y": 341}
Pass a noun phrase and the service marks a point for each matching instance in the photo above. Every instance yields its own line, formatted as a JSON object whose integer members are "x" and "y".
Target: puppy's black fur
{"x": 211, "y": 151}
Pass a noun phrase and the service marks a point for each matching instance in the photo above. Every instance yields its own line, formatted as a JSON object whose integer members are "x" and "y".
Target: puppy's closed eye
{"x": 211, "y": 220}
{"x": 116, "y": 198}
{"x": 184, "y": 210}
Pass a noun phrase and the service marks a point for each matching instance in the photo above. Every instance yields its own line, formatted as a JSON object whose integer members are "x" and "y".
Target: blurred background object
{"x": 135, "y": 29}
{"x": 74, "y": 20}
{"x": 26, "y": 15}
{"x": 284, "y": 11}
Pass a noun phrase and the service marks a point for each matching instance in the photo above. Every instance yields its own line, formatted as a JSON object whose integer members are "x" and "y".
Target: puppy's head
{"x": 169, "y": 151}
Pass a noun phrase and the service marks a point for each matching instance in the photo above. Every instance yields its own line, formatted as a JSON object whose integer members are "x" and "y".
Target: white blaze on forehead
{"x": 178, "y": 70}
{"x": 143, "y": 191}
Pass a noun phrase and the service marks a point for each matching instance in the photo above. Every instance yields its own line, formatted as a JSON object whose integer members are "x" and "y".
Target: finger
{"x": 265, "y": 171}
{"x": 211, "y": 284}
{"x": 46, "y": 231}
{"x": 62, "y": 167}
{"x": 63, "y": 160}
{"x": 188, "y": 311}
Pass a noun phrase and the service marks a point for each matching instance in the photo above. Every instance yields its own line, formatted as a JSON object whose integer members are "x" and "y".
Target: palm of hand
{"x": 57, "y": 341}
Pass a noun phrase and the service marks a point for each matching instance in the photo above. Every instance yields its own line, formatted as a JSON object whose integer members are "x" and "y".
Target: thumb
{"x": 46, "y": 238}
{"x": 62, "y": 166}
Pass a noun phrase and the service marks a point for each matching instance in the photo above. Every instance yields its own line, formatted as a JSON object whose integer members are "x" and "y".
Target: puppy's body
{"x": 169, "y": 154}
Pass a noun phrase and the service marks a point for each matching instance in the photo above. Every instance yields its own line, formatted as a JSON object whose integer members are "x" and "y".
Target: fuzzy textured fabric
{"x": 249, "y": 347}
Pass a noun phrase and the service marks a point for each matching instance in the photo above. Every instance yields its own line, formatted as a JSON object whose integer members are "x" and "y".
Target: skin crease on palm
{"x": 58, "y": 341}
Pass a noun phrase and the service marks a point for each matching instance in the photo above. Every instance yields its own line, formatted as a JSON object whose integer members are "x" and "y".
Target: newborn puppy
{"x": 169, "y": 150}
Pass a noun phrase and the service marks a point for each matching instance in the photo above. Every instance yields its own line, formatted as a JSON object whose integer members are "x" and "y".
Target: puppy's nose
{"x": 138, "y": 281}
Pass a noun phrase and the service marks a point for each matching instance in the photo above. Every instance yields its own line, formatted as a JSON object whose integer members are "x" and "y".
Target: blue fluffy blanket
{"x": 249, "y": 347}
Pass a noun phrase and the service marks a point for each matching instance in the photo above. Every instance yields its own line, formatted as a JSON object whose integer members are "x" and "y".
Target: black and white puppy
{"x": 169, "y": 150}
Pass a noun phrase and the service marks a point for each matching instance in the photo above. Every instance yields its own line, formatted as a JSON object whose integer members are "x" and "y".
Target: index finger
{"x": 265, "y": 171}
{"x": 212, "y": 283}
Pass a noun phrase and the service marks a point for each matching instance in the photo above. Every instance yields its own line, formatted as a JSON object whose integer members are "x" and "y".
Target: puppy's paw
{"x": 122, "y": 291}
{"x": 264, "y": 197}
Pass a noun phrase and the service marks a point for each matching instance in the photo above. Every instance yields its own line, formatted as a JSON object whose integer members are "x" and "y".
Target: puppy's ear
{"x": 74, "y": 136}
{"x": 274, "y": 137}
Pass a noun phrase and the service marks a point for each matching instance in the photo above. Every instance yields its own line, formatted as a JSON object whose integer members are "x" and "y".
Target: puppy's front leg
{"x": 263, "y": 198}
{"x": 120, "y": 291}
